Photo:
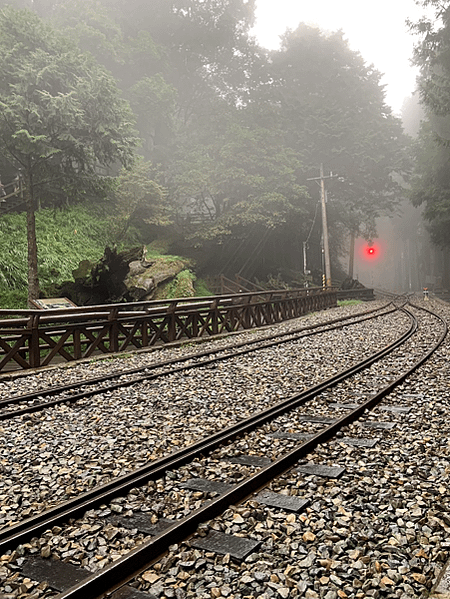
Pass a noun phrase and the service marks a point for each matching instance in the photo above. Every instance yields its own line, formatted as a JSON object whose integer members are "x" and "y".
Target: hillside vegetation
{"x": 67, "y": 237}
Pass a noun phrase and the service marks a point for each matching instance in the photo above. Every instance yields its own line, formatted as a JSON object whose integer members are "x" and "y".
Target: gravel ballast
{"x": 378, "y": 531}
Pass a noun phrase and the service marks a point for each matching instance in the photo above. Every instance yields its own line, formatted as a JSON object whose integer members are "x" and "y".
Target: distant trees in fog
{"x": 431, "y": 184}
{"x": 230, "y": 132}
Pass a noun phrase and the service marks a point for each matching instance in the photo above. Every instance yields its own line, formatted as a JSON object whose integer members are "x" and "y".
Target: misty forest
{"x": 160, "y": 132}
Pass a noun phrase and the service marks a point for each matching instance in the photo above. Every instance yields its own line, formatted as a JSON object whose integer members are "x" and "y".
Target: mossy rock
{"x": 145, "y": 277}
{"x": 181, "y": 286}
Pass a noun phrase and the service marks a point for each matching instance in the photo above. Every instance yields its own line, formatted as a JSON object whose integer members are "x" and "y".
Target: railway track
{"x": 40, "y": 399}
{"x": 101, "y": 438}
{"x": 282, "y": 418}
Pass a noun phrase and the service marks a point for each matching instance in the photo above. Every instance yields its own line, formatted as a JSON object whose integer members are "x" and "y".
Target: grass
{"x": 201, "y": 288}
{"x": 65, "y": 237}
{"x": 181, "y": 286}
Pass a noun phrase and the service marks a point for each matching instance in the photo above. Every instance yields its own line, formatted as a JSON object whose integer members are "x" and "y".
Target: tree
{"x": 61, "y": 118}
{"x": 234, "y": 132}
{"x": 412, "y": 114}
{"x": 431, "y": 182}
{"x": 314, "y": 101}
{"x": 331, "y": 106}
{"x": 432, "y": 55}
{"x": 139, "y": 200}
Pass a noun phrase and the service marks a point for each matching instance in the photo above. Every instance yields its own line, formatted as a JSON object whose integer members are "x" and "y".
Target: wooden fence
{"x": 34, "y": 338}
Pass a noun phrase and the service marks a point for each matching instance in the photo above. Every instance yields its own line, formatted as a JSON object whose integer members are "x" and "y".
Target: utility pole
{"x": 323, "y": 199}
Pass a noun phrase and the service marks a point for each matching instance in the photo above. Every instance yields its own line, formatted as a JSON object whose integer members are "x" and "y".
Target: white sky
{"x": 376, "y": 29}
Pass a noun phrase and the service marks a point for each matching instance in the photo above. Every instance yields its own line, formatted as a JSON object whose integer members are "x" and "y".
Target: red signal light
{"x": 370, "y": 252}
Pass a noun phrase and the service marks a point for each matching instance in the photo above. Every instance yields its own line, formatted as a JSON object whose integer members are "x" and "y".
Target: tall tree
{"x": 431, "y": 184}
{"x": 61, "y": 118}
{"x": 331, "y": 106}
{"x": 432, "y": 55}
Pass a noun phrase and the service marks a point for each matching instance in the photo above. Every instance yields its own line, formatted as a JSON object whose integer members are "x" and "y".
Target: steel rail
{"x": 31, "y": 527}
{"x": 116, "y": 575}
{"x": 265, "y": 343}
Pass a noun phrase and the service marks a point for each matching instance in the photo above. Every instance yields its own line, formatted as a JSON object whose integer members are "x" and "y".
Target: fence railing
{"x": 35, "y": 338}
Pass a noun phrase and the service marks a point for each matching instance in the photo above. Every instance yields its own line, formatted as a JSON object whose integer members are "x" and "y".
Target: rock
{"x": 420, "y": 578}
{"x": 150, "y": 577}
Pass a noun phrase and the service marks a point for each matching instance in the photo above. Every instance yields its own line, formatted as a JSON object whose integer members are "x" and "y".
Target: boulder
{"x": 144, "y": 277}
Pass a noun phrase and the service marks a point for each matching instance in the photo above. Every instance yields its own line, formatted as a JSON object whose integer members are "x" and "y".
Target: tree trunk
{"x": 33, "y": 281}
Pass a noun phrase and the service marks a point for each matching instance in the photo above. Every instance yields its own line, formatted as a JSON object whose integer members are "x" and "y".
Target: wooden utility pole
{"x": 323, "y": 200}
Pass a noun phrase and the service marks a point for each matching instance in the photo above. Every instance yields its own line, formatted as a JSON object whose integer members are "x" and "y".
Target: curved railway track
{"x": 126, "y": 568}
{"x": 51, "y": 456}
{"x": 67, "y": 393}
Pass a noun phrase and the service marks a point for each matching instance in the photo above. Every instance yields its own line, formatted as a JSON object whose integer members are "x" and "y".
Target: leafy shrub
{"x": 13, "y": 299}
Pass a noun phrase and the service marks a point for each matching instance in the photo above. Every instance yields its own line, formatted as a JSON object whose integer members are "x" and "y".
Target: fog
{"x": 406, "y": 259}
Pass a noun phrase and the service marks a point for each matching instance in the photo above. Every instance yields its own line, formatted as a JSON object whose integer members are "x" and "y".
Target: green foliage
{"x": 90, "y": 26}
{"x": 61, "y": 115}
{"x": 61, "y": 118}
{"x": 332, "y": 109}
{"x": 65, "y": 238}
{"x": 153, "y": 102}
{"x": 13, "y": 299}
{"x": 231, "y": 131}
{"x": 139, "y": 201}
{"x": 431, "y": 183}
{"x": 432, "y": 56}
{"x": 242, "y": 177}
{"x": 201, "y": 288}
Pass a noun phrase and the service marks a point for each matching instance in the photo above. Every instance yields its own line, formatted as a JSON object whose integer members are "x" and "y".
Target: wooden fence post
{"x": 215, "y": 317}
{"x": 113, "y": 330}
{"x": 172, "y": 324}
{"x": 34, "y": 349}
